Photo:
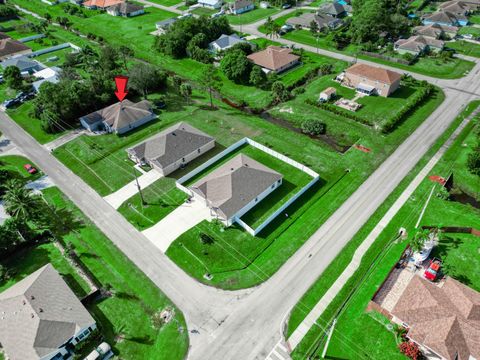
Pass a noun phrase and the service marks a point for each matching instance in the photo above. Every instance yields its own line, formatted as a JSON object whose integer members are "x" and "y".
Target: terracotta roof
{"x": 10, "y": 47}
{"x": 273, "y": 57}
{"x": 445, "y": 319}
{"x": 39, "y": 314}
{"x": 235, "y": 184}
{"x": 374, "y": 73}
{"x": 102, "y": 3}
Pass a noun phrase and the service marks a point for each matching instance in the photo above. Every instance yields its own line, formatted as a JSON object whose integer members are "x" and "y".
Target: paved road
{"x": 245, "y": 325}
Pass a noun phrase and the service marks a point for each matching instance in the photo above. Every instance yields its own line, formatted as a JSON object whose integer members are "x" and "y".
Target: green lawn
{"x": 465, "y": 48}
{"x": 59, "y": 53}
{"x": 15, "y": 163}
{"x": 161, "y": 198}
{"x": 474, "y": 19}
{"x": 469, "y": 30}
{"x": 167, "y": 2}
{"x": 127, "y": 313}
{"x": 252, "y": 16}
{"x": 356, "y": 331}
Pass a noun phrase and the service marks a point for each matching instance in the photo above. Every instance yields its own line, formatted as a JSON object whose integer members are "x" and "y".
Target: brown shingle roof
{"x": 434, "y": 30}
{"x": 418, "y": 43}
{"x": 11, "y": 47}
{"x": 273, "y": 57}
{"x": 374, "y": 73}
{"x": 445, "y": 319}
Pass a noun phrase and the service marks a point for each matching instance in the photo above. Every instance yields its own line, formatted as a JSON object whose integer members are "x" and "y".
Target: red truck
{"x": 433, "y": 269}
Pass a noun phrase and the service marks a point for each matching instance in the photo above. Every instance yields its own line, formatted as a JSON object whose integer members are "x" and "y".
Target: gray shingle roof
{"x": 171, "y": 145}
{"x": 126, "y": 8}
{"x": 240, "y": 4}
{"x": 39, "y": 314}
{"x": 22, "y": 62}
{"x": 332, "y": 8}
{"x": 227, "y": 41}
{"x": 235, "y": 184}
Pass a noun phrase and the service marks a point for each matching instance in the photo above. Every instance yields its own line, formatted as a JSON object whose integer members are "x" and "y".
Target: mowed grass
{"x": 252, "y": 16}
{"x": 127, "y": 313}
{"x": 358, "y": 332}
{"x": 167, "y": 2}
{"x": 15, "y": 163}
{"x": 465, "y": 48}
{"x": 161, "y": 198}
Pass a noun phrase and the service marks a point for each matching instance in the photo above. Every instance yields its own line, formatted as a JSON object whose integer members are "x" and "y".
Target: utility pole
{"x": 139, "y": 187}
{"x": 328, "y": 339}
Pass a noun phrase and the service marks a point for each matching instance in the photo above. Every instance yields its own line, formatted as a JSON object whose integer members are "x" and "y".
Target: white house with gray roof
{"x": 172, "y": 149}
{"x": 225, "y": 42}
{"x": 41, "y": 318}
{"x": 236, "y": 187}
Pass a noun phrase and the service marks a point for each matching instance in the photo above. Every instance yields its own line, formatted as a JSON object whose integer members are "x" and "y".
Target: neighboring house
{"x": 172, "y": 149}
{"x": 418, "y": 44}
{"x": 101, "y": 4}
{"x": 41, "y": 318}
{"x": 327, "y": 94}
{"x": 126, "y": 9}
{"x": 323, "y": 21}
{"x": 212, "y": 4}
{"x": 120, "y": 117}
{"x": 334, "y": 9}
{"x": 445, "y": 18}
{"x": 274, "y": 58}
{"x": 371, "y": 80}
{"x": 51, "y": 75}
{"x": 236, "y": 187}
{"x": 264, "y": 5}
{"x": 241, "y": 6}
{"x": 458, "y": 7}
{"x": 444, "y": 321}
{"x": 77, "y": 2}
{"x": 10, "y": 47}
{"x": 436, "y": 31}
{"x": 3, "y": 36}
{"x": 164, "y": 25}
{"x": 23, "y": 63}
{"x": 225, "y": 42}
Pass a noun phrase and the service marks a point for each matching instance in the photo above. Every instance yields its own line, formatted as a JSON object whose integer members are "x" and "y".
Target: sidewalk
{"x": 120, "y": 196}
{"x": 62, "y": 140}
{"x": 316, "y": 312}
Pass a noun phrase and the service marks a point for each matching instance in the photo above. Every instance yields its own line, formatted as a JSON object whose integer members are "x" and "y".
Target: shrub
{"x": 410, "y": 349}
{"x": 314, "y": 127}
{"x": 206, "y": 239}
{"x": 473, "y": 161}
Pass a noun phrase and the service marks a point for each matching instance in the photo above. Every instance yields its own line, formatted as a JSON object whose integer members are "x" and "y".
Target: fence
{"x": 31, "y": 38}
{"x": 455, "y": 229}
{"x": 49, "y": 50}
{"x": 179, "y": 183}
{"x": 385, "y": 57}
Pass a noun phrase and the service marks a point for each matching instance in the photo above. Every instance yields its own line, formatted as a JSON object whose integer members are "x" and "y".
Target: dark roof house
{"x": 23, "y": 63}
{"x": 126, "y": 9}
{"x": 10, "y": 47}
{"x": 334, "y": 9}
{"x": 40, "y": 315}
{"x": 225, "y": 42}
{"x": 322, "y": 20}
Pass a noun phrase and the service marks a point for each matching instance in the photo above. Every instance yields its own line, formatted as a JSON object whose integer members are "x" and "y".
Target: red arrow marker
{"x": 121, "y": 82}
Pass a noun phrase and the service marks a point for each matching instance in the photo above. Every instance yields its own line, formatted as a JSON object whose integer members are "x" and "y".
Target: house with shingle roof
{"x": 10, "y": 47}
{"x": 24, "y": 63}
{"x": 369, "y": 79}
{"x": 418, "y": 44}
{"x": 211, "y": 4}
{"x": 274, "y": 58}
{"x": 445, "y": 18}
{"x": 458, "y": 7}
{"x": 334, "y": 9}
{"x": 443, "y": 320}
{"x": 172, "y": 149}
{"x": 101, "y": 4}
{"x": 41, "y": 318}
{"x": 225, "y": 42}
{"x": 241, "y": 6}
{"x": 120, "y": 117}
{"x": 436, "y": 31}
{"x": 126, "y": 9}
{"x": 324, "y": 21}
{"x": 235, "y": 187}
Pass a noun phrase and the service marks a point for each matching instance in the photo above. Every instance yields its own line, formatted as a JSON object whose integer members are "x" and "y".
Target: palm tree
{"x": 20, "y": 203}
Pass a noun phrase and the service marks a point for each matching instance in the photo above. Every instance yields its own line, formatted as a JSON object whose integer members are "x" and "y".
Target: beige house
{"x": 172, "y": 149}
{"x": 327, "y": 94}
{"x": 418, "y": 44}
{"x": 436, "y": 31}
{"x": 371, "y": 80}
{"x": 274, "y": 58}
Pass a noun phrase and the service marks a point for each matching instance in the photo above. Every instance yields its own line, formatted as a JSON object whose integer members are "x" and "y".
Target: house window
{"x": 279, "y": 181}
{"x": 199, "y": 151}
{"x": 273, "y": 186}
{"x": 183, "y": 159}
{"x": 256, "y": 199}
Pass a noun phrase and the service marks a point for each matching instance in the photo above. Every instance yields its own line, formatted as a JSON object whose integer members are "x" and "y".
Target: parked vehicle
{"x": 286, "y": 6}
{"x": 7, "y": 104}
{"x": 433, "y": 269}
{"x": 30, "y": 169}
{"x": 103, "y": 352}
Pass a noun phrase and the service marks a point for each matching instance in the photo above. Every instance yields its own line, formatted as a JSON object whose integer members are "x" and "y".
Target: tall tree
{"x": 126, "y": 54}
{"x": 186, "y": 91}
{"x": 145, "y": 78}
{"x": 211, "y": 82}
{"x": 13, "y": 77}
{"x": 20, "y": 202}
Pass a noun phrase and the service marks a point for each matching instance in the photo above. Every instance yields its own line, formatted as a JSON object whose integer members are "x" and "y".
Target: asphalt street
{"x": 244, "y": 325}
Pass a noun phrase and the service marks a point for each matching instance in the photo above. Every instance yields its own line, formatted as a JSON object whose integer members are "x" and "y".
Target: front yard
{"x": 252, "y": 16}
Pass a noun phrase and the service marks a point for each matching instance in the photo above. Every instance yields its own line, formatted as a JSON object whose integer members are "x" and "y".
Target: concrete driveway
{"x": 176, "y": 223}
{"x": 120, "y": 196}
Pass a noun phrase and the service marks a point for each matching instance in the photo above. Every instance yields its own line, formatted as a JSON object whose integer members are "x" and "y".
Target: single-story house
{"x": 41, "y": 318}
{"x": 172, "y": 148}
{"x": 370, "y": 80}
{"x": 225, "y": 42}
{"x": 334, "y": 9}
{"x": 472, "y": 2}
{"x": 10, "y": 47}
{"x": 3, "y": 36}
{"x": 327, "y": 94}
{"x": 418, "y": 44}
{"x": 236, "y": 187}
{"x": 436, "y": 31}
{"x": 126, "y": 9}
{"x": 323, "y": 21}
{"x": 444, "y": 321}
{"x": 120, "y": 117}
{"x": 164, "y": 25}
{"x": 241, "y": 6}
{"x": 445, "y": 18}
{"x": 24, "y": 63}
{"x": 51, "y": 75}
{"x": 274, "y": 58}
{"x": 101, "y": 4}
{"x": 458, "y": 7}
{"x": 212, "y": 4}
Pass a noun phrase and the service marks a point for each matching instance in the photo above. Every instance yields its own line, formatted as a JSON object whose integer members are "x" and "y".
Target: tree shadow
{"x": 126, "y": 296}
